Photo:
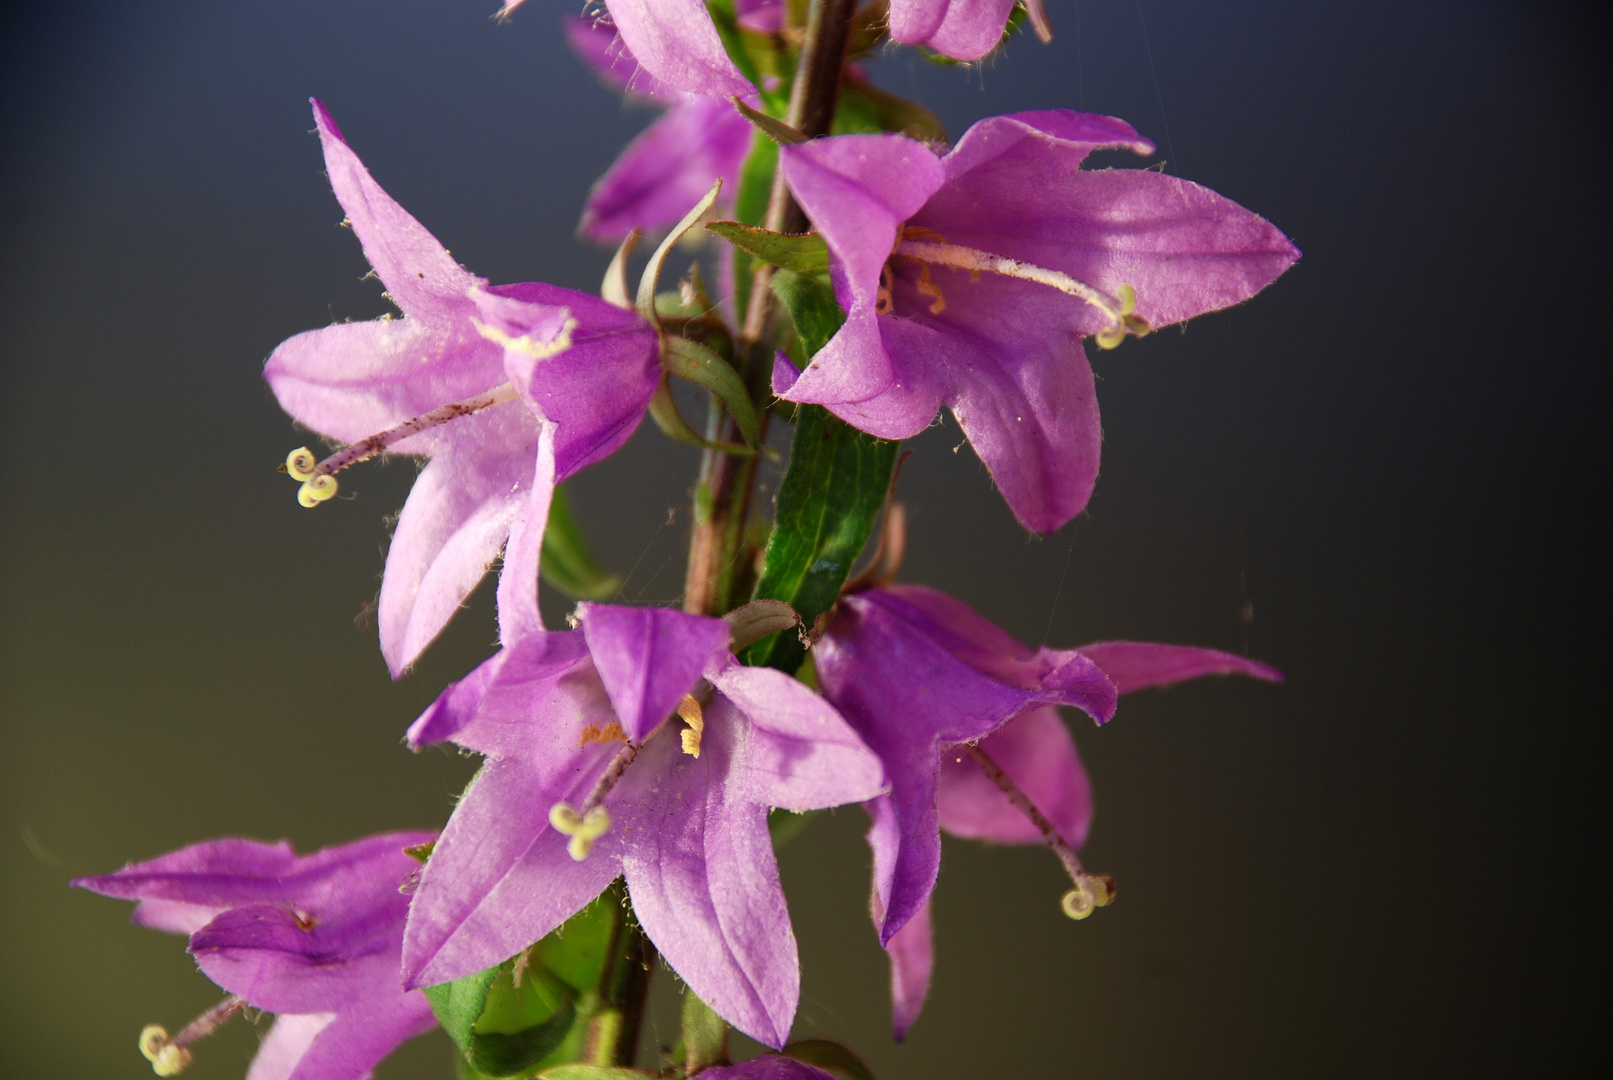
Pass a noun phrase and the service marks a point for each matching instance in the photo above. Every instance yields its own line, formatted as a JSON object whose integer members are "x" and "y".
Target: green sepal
{"x": 503, "y": 1029}
{"x": 804, "y": 253}
{"x": 695, "y": 363}
{"x": 829, "y": 1056}
{"x": 592, "y": 1072}
{"x": 812, "y": 307}
{"x": 664, "y": 411}
{"x": 772, "y": 127}
{"x": 420, "y": 852}
{"x": 705, "y": 1034}
{"x": 567, "y": 564}
{"x": 866, "y": 108}
{"x": 827, "y": 505}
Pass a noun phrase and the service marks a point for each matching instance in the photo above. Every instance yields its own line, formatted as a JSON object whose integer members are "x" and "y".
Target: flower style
{"x": 587, "y": 778}
{"x": 672, "y": 163}
{"x": 315, "y": 939}
{"x": 961, "y": 29}
{"x": 443, "y": 381}
{"x": 676, "y": 42}
{"x": 969, "y": 279}
{"x": 937, "y": 782}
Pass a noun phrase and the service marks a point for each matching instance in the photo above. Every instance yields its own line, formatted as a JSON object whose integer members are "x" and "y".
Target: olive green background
{"x": 1385, "y": 461}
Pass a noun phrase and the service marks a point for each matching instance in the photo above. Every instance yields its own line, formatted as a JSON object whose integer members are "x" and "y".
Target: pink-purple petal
{"x": 456, "y": 519}
{"x": 1037, "y": 753}
{"x": 677, "y": 43}
{"x": 667, "y": 169}
{"x": 598, "y": 45}
{"x": 912, "y": 957}
{"x": 961, "y": 29}
{"x": 1136, "y": 665}
{"x": 649, "y": 658}
{"x": 768, "y": 1067}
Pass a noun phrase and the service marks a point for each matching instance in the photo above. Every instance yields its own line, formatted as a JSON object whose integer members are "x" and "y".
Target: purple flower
{"x": 969, "y": 279}
{"x": 672, "y": 163}
{"x": 676, "y": 42}
{"x": 768, "y": 1067}
{"x": 961, "y": 29}
{"x": 315, "y": 939}
{"x": 443, "y": 381}
{"x": 587, "y": 779}
{"x": 909, "y": 668}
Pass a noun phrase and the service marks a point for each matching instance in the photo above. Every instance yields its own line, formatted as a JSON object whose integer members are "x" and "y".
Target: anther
{"x": 695, "y": 717}
{"x": 926, "y": 287}
{"x": 1091, "y": 890}
{"x": 318, "y": 478}
{"x": 583, "y": 828}
{"x": 170, "y": 1057}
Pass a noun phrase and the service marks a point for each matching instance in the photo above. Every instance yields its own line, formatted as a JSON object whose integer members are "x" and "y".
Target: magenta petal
{"x": 768, "y": 1067}
{"x": 857, "y": 189}
{"x": 500, "y": 878}
{"x": 700, "y": 869}
{"x": 912, "y": 955}
{"x": 518, "y": 614}
{"x": 677, "y": 43}
{"x": 802, "y": 754}
{"x": 1037, "y": 753}
{"x": 924, "y": 365}
{"x": 602, "y": 49}
{"x": 347, "y": 1047}
{"x": 667, "y": 169}
{"x": 458, "y": 515}
{"x": 1136, "y": 665}
{"x": 419, "y": 274}
{"x": 596, "y": 390}
{"x": 289, "y": 960}
{"x": 961, "y": 29}
{"x": 649, "y": 658}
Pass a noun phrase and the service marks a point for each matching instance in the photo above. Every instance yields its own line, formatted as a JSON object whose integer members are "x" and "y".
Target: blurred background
{"x": 1376, "y": 476}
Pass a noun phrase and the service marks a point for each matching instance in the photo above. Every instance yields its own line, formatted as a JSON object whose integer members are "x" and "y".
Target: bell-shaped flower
{"x": 315, "y": 939}
{"x": 634, "y": 746}
{"x": 969, "y": 279}
{"x": 673, "y": 162}
{"x": 676, "y": 42}
{"x": 467, "y": 377}
{"x": 1021, "y": 783}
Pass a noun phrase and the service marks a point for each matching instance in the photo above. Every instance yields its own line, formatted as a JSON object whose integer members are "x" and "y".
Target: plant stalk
{"x": 723, "y": 491}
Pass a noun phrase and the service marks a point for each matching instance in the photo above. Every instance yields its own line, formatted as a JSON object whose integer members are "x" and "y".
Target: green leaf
{"x": 567, "y": 563}
{"x": 750, "y": 207}
{"x": 693, "y": 361}
{"x": 805, "y": 253}
{"x": 864, "y": 107}
{"x": 812, "y": 307}
{"x": 591, "y": 1072}
{"x": 752, "y": 622}
{"x": 830, "y": 1056}
{"x": 827, "y": 505}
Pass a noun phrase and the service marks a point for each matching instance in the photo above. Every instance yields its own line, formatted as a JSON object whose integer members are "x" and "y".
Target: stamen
{"x": 1091, "y": 890}
{"x": 318, "y": 479}
{"x": 609, "y": 733}
{"x": 592, "y": 821}
{"x": 926, "y": 287}
{"x": 883, "y": 301}
{"x": 170, "y": 1057}
{"x": 1119, "y": 309}
{"x": 695, "y": 717}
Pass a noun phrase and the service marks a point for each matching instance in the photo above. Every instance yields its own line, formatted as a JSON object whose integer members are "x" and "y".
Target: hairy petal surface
{"x": 677, "y": 43}
{"x": 961, "y": 29}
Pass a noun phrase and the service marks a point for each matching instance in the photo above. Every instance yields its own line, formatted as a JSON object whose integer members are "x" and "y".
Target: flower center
{"x": 170, "y": 1057}
{"x": 1091, "y": 891}
{"x": 318, "y": 477}
{"x": 926, "y": 246}
{"x": 588, "y": 822}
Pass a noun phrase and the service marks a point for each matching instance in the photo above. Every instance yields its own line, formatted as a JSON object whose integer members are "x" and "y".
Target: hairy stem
{"x": 723, "y": 491}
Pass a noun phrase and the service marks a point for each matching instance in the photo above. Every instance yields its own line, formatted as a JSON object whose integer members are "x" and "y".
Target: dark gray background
{"x": 1383, "y": 867}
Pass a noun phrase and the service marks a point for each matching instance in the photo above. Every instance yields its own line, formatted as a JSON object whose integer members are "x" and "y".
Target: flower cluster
{"x": 640, "y": 766}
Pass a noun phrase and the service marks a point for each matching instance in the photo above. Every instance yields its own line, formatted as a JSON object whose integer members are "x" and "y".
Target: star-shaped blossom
{"x": 315, "y": 939}
{"x": 676, "y": 42}
{"x": 969, "y": 279}
{"x": 884, "y": 661}
{"x": 672, "y": 163}
{"x": 468, "y": 377}
{"x": 587, "y": 779}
